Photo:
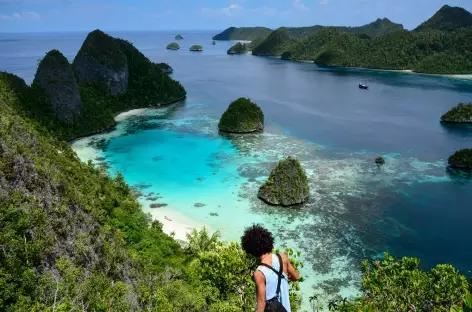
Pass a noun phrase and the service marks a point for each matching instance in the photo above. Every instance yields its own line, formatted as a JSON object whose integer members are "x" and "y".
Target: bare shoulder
{"x": 258, "y": 277}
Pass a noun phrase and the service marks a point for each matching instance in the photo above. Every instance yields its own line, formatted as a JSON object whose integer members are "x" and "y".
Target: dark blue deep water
{"x": 411, "y": 206}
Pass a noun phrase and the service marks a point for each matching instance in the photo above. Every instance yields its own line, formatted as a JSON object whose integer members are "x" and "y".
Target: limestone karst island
{"x": 160, "y": 156}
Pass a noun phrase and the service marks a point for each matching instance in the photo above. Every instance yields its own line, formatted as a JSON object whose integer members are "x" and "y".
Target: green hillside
{"x": 243, "y": 33}
{"x": 448, "y": 19}
{"x": 274, "y": 44}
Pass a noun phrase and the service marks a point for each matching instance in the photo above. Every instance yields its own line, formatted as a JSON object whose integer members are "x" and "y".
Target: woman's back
{"x": 271, "y": 281}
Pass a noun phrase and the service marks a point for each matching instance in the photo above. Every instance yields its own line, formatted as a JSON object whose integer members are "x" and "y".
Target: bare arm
{"x": 293, "y": 275}
{"x": 259, "y": 279}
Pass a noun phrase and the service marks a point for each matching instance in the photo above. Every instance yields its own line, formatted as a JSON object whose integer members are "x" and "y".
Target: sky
{"x": 112, "y": 15}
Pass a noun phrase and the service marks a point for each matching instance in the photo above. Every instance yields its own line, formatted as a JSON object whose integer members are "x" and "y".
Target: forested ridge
{"x": 442, "y": 45}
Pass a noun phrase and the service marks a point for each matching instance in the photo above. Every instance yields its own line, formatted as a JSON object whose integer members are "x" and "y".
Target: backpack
{"x": 274, "y": 304}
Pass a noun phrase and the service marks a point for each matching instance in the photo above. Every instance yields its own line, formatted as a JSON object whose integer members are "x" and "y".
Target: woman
{"x": 259, "y": 242}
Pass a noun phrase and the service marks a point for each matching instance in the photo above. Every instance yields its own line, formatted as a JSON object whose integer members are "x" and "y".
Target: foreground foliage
{"x": 73, "y": 239}
{"x": 400, "y": 285}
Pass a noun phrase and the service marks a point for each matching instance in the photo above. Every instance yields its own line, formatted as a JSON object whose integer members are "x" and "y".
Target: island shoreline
{"x": 465, "y": 77}
{"x": 112, "y": 127}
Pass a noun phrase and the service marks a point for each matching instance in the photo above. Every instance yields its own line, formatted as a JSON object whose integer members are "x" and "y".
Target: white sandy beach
{"x": 173, "y": 221}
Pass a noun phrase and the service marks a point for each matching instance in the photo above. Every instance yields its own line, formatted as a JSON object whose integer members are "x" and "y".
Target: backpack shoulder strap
{"x": 279, "y": 273}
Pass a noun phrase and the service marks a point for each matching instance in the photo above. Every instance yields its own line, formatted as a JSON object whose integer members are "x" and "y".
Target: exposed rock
{"x": 158, "y": 205}
{"x": 56, "y": 78}
{"x": 100, "y": 59}
{"x": 380, "y": 161}
{"x": 213, "y": 42}
{"x": 287, "y": 184}
{"x": 242, "y": 116}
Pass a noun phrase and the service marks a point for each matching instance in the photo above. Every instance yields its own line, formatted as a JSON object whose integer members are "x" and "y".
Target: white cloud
{"x": 236, "y": 9}
{"x": 300, "y": 6}
{"x": 30, "y": 15}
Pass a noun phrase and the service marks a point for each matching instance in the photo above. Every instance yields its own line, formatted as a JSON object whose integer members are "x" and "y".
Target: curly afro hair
{"x": 257, "y": 240}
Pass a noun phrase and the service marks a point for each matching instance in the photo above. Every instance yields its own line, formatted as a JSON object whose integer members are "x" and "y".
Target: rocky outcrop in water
{"x": 462, "y": 159}
{"x": 173, "y": 46}
{"x": 287, "y": 184}
{"x": 56, "y": 78}
{"x": 380, "y": 161}
{"x": 196, "y": 48}
{"x": 462, "y": 113}
{"x": 100, "y": 59}
{"x": 242, "y": 116}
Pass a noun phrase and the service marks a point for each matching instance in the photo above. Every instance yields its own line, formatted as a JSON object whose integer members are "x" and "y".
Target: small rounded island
{"x": 179, "y": 37}
{"x": 173, "y": 46}
{"x": 380, "y": 161}
{"x": 287, "y": 184}
{"x": 242, "y": 116}
{"x": 462, "y": 159}
{"x": 462, "y": 113}
{"x": 196, "y": 48}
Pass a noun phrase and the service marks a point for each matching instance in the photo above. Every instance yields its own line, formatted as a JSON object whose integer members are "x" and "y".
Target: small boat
{"x": 363, "y": 86}
{"x": 167, "y": 218}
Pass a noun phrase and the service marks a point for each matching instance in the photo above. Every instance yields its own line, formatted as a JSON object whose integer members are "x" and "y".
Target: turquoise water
{"x": 178, "y": 161}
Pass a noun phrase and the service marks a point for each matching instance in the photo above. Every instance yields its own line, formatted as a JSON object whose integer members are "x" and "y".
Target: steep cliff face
{"x": 56, "y": 78}
{"x": 101, "y": 60}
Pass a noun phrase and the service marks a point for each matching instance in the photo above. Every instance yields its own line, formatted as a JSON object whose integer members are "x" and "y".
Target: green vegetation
{"x": 56, "y": 79}
{"x": 179, "y": 37}
{"x": 287, "y": 55}
{"x": 147, "y": 85}
{"x": 238, "y": 48}
{"x": 399, "y": 285}
{"x": 166, "y": 68}
{"x": 242, "y": 116}
{"x": 375, "y": 29}
{"x": 196, "y": 48}
{"x": 243, "y": 33}
{"x": 74, "y": 239}
{"x": 287, "y": 184}
{"x": 462, "y": 113}
{"x": 254, "y": 43}
{"x": 448, "y": 19}
{"x": 274, "y": 44}
{"x": 103, "y": 48}
{"x": 379, "y": 45}
{"x": 462, "y": 159}
{"x": 173, "y": 46}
